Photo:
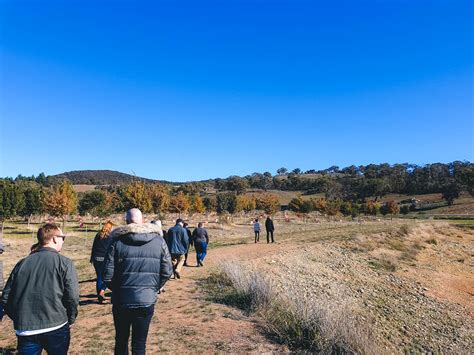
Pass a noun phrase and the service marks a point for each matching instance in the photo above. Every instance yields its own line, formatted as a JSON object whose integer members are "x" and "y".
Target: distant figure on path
{"x": 270, "y": 228}
{"x": 136, "y": 267}
{"x": 200, "y": 239}
{"x": 41, "y": 296}
{"x": 178, "y": 244}
{"x": 256, "y": 229}
{"x": 188, "y": 231}
{"x": 99, "y": 250}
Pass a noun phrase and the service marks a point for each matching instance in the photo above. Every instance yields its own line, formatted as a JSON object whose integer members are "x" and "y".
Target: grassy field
{"x": 373, "y": 286}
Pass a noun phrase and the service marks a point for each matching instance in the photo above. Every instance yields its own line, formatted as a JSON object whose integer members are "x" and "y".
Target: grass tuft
{"x": 300, "y": 321}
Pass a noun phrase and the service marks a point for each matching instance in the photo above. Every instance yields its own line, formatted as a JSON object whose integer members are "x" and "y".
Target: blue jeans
{"x": 139, "y": 319}
{"x": 55, "y": 342}
{"x": 201, "y": 251}
{"x": 100, "y": 285}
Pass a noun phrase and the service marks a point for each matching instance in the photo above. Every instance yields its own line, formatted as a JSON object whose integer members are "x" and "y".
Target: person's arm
{"x": 166, "y": 266}
{"x": 207, "y": 236}
{"x": 71, "y": 293}
{"x": 7, "y": 290}
{"x": 186, "y": 240}
{"x": 94, "y": 245}
{"x": 109, "y": 264}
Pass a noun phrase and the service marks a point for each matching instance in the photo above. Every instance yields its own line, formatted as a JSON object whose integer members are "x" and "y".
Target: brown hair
{"x": 105, "y": 231}
{"x": 46, "y": 233}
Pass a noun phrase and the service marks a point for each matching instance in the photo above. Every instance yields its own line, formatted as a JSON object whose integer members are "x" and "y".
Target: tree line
{"x": 28, "y": 198}
{"x": 357, "y": 183}
{"x": 350, "y": 191}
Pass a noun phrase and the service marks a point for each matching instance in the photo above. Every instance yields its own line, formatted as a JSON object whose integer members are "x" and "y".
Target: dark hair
{"x": 179, "y": 220}
{"x": 185, "y": 224}
{"x": 46, "y": 233}
{"x": 199, "y": 224}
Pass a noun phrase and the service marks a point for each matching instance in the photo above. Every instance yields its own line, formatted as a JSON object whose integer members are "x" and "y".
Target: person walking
{"x": 136, "y": 267}
{"x": 270, "y": 228}
{"x": 99, "y": 249}
{"x": 41, "y": 296}
{"x": 2, "y": 282}
{"x": 256, "y": 229}
{"x": 188, "y": 231}
{"x": 178, "y": 244}
{"x": 200, "y": 239}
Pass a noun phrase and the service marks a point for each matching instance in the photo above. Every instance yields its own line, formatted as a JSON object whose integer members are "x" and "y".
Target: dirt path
{"x": 184, "y": 321}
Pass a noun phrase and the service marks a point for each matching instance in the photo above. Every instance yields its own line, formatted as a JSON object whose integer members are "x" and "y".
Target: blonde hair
{"x": 106, "y": 229}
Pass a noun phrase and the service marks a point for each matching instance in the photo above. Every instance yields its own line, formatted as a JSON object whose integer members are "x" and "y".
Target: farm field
{"x": 378, "y": 286}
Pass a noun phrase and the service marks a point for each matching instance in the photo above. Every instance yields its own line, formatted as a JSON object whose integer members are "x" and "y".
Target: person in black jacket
{"x": 270, "y": 228}
{"x": 99, "y": 249}
{"x": 200, "y": 239}
{"x": 136, "y": 267}
{"x": 1, "y": 267}
{"x": 188, "y": 231}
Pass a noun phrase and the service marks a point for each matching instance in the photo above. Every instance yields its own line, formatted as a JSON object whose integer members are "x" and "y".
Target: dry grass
{"x": 302, "y": 322}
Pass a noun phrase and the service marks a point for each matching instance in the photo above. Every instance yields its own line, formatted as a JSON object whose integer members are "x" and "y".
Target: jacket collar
{"x": 47, "y": 249}
{"x": 144, "y": 228}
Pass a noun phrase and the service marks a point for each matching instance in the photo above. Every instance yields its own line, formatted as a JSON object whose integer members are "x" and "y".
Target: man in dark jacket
{"x": 270, "y": 228}
{"x": 200, "y": 239}
{"x": 1, "y": 267}
{"x": 178, "y": 243}
{"x": 136, "y": 266}
{"x": 41, "y": 296}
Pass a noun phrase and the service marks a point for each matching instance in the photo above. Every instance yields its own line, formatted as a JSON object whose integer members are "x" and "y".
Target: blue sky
{"x": 193, "y": 90}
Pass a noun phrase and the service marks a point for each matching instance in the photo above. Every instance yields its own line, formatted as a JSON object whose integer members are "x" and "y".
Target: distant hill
{"x": 99, "y": 177}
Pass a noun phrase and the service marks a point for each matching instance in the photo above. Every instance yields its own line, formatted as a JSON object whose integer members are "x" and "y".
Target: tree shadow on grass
{"x": 8, "y": 351}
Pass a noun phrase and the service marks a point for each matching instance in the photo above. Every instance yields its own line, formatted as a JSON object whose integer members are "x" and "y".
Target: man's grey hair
{"x": 134, "y": 215}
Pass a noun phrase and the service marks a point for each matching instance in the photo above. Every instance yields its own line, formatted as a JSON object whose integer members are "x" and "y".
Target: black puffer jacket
{"x": 137, "y": 265}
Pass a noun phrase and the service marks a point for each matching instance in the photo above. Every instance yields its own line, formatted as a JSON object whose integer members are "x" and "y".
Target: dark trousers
{"x": 257, "y": 236}
{"x": 268, "y": 236}
{"x": 55, "y": 342}
{"x": 100, "y": 285}
{"x": 139, "y": 319}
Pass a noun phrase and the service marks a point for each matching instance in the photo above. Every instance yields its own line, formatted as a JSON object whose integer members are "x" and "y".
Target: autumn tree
{"x": 268, "y": 202}
{"x": 246, "y": 203}
{"x": 136, "y": 196}
{"x": 160, "y": 198}
{"x": 61, "y": 200}
{"x": 179, "y": 203}
{"x": 371, "y": 207}
{"x": 390, "y": 207}
{"x": 197, "y": 204}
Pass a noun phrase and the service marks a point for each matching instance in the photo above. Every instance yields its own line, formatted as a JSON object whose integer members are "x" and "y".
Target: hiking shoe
{"x": 101, "y": 296}
{"x": 176, "y": 273}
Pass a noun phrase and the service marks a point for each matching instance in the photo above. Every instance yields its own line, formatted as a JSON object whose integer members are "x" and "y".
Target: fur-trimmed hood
{"x": 136, "y": 234}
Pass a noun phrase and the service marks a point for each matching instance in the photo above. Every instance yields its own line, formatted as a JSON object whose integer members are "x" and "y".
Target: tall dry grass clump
{"x": 302, "y": 321}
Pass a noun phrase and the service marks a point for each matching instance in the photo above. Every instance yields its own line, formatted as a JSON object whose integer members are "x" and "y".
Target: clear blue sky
{"x": 181, "y": 91}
